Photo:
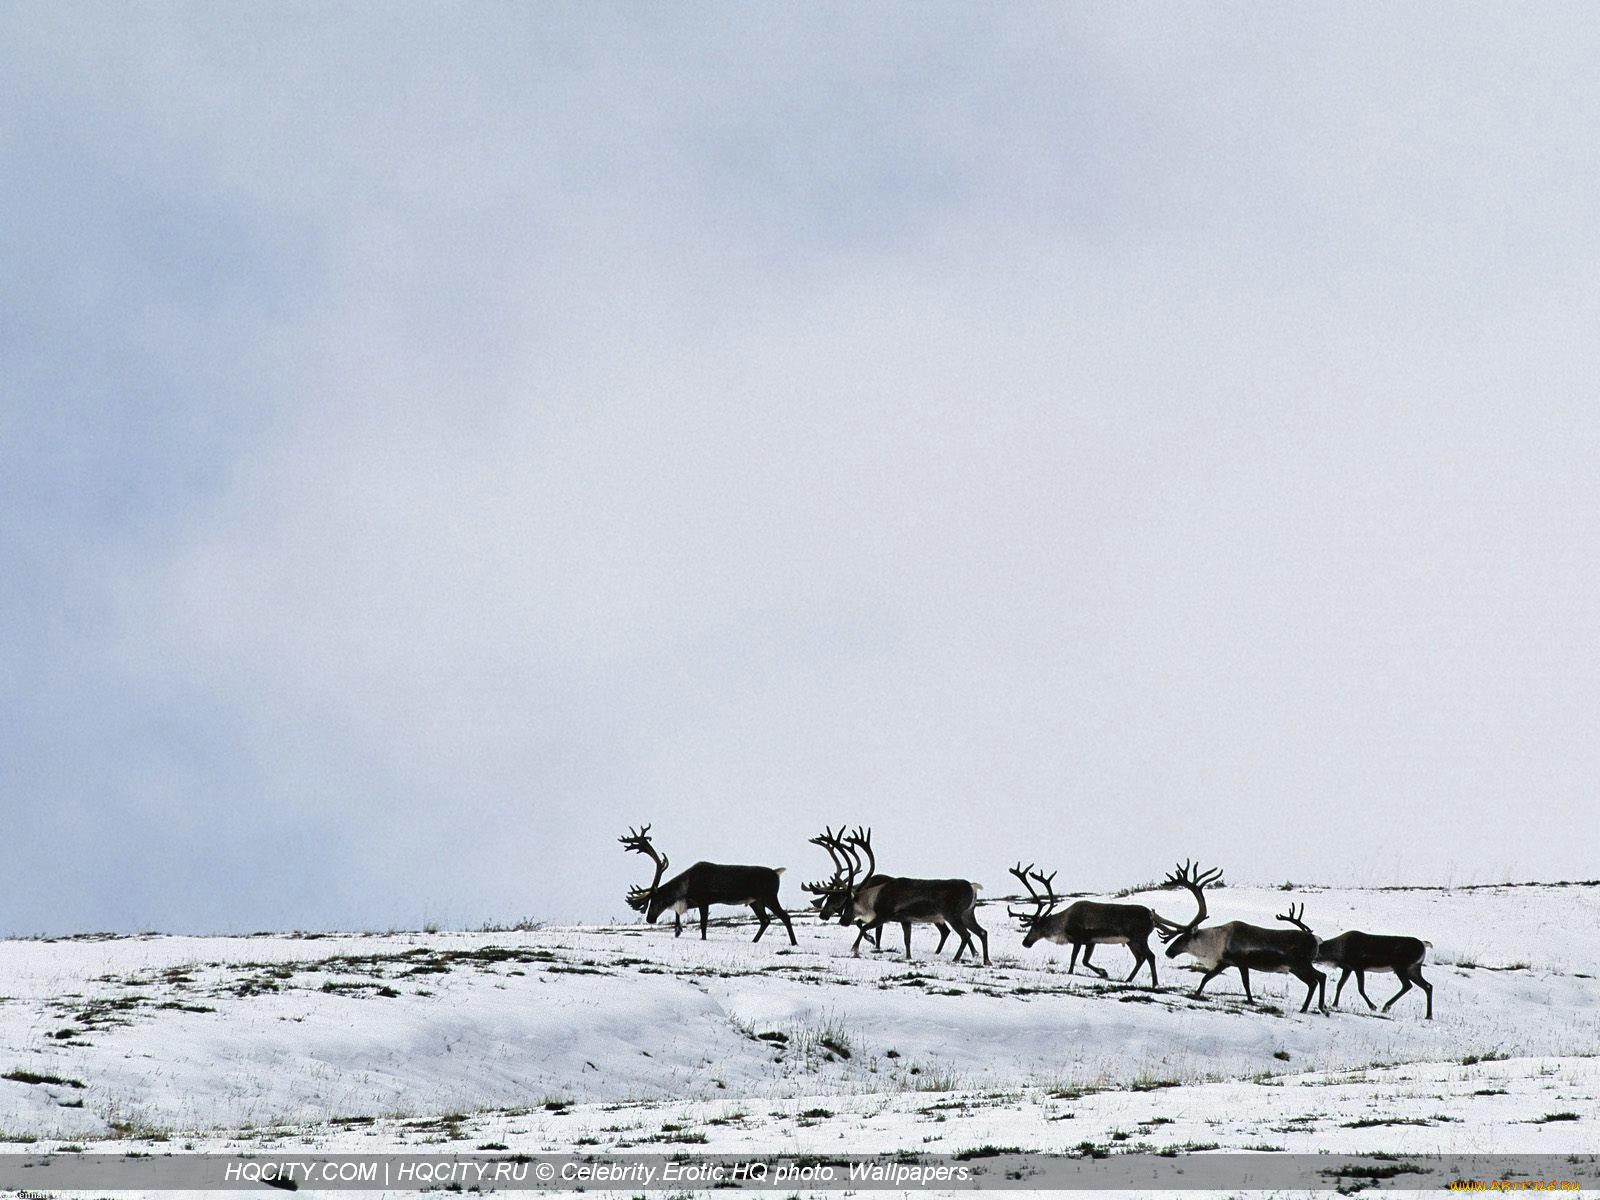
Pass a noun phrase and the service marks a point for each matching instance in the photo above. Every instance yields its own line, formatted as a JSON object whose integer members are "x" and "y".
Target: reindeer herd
{"x": 858, "y": 895}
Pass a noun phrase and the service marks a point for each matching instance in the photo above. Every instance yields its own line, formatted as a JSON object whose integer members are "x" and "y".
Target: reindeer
{"x": 833, "y": 896}
{"x": 701, "y": 886}
{"x": 1087, "y": 924}
{"x": 915, "y": 901}
{"x": 1236, "y": 944}
{"x": 1357, "y": 952}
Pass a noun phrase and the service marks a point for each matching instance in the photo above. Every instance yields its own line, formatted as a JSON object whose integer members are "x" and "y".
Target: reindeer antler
{"x": 861, "y": 837}
{"x": 638, "y": 841}
{"x": 830, "y": 841}
{"x": 844, "y": 865}
{"x": 1043, "y": 903}
{"x": 1293, "y": 917}
{"x": 1189, "y": 876}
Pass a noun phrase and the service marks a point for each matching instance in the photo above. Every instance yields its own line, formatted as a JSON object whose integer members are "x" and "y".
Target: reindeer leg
{"x": 983, "y": 935}
{"x": 1244, "y": 974}
{"x": 1344, "y": 977}
{"x": 784, "y": 917}
{"x": 1313, "y": 979}
{"x": 905, "y": 927}
{"x": 944, "y": 936}
{"x": 677, "y": 923}
{"x": 964, "y": 932}
{"x": 1087, "y": 951}
{"x": 1138, "y": 960}
{"x": 761, "y": 915}
{"x": 1072, "y": 965}
{"x": 877, "y": 939}
{"x": 1427, "y": 988}
{"x": 1405, "y": 986}
{"x": 1205, "y": 979}
{"x": 705, "y": 919}
{"x": 1142, "y": 955}
{"x": 1361, "y": 986}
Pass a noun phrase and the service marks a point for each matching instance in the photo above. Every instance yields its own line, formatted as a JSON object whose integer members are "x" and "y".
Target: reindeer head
{"x": 646, "y": 899}
{"x": 832, "y": 896}
{"x": 1188, "y": 876}
{"x": 1044, "y": 902}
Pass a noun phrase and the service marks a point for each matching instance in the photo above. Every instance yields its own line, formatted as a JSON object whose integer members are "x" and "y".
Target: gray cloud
{"x": 1047, "y": 434}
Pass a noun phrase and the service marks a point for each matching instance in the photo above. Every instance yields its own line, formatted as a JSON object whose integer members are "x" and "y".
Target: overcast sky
{"x": 433, "y": 438}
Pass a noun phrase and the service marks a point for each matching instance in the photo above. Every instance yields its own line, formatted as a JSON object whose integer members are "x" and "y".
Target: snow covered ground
{"x": 599, "y": 1037}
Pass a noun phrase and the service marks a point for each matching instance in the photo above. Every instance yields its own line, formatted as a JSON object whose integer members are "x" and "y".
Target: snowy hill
{"x": 542, "y": 1037}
